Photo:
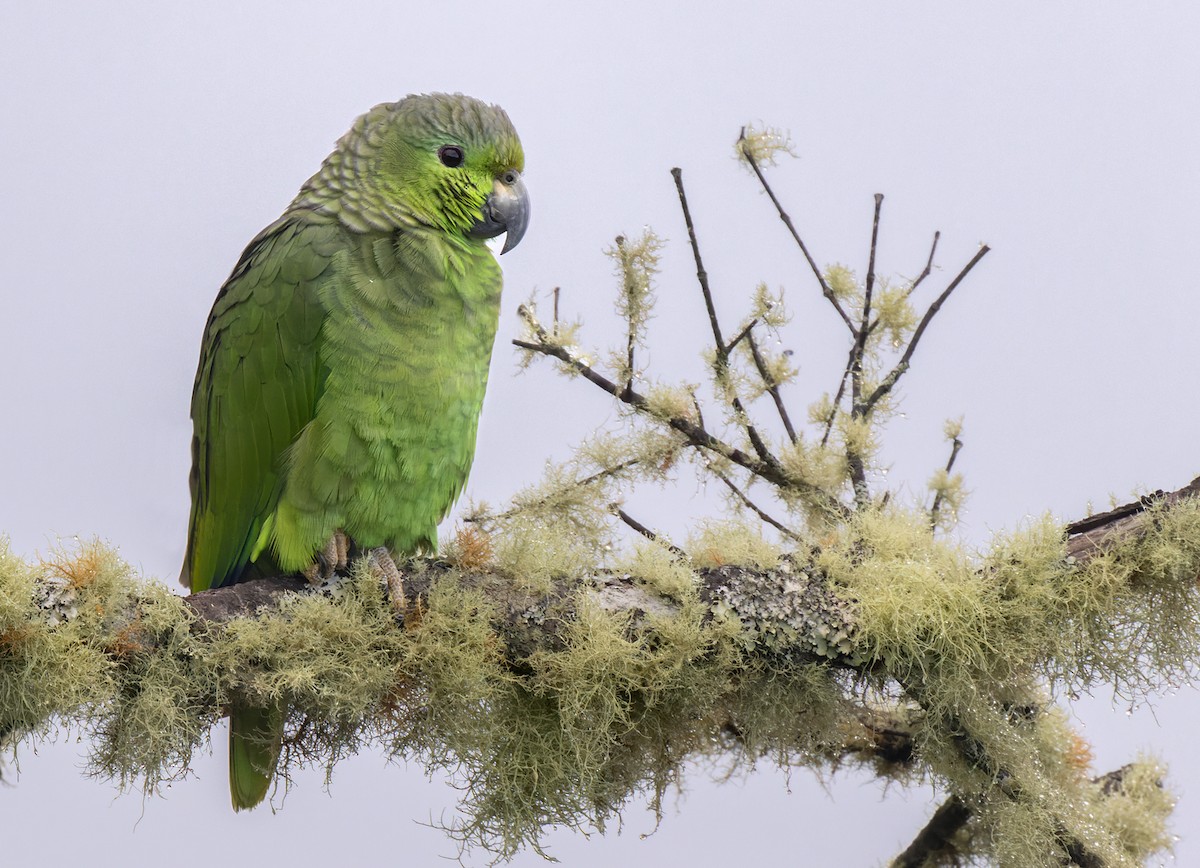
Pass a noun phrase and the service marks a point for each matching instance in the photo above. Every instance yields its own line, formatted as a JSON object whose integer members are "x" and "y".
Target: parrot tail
{"x": 255, "y": 740}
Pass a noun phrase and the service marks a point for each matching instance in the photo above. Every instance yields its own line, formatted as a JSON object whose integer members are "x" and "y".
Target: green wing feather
{"x": 256, "y": 388}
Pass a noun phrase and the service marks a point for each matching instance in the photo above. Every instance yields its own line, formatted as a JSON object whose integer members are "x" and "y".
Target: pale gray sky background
{"x": 145, "y": 143}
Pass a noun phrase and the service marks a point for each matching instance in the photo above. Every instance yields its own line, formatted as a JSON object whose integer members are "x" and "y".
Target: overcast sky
{"x": 145, "y": 143}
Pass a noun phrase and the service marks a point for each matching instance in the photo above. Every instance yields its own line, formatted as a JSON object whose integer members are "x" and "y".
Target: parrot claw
{"x": 381, "y": 563}
{"x": 334, "y": 558}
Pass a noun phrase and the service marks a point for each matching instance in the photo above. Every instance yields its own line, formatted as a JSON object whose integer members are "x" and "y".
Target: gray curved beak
{"x": 505, "y": 210}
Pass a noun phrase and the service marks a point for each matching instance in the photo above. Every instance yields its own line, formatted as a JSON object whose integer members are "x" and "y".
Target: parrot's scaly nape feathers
{"x": 343, "y": 366}
{"x": 391, "y": 169}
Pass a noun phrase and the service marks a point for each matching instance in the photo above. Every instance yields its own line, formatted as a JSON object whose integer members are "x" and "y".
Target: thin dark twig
{"x": 837, "y": 399}
{"x": 841, "y": 389}
{"x": 646, "y": 532}
{"x": 609, "y": 471}
{"x": 701, "y": 274}
{"x": 955, "y": 446}
{"x": 721, "y": 362}
{"x": 889, "y": 382}
{"x": 912, "y": 287}
{"x": 772, "y": 388}
{"x": 760, "y": 445}
{"x": 741, "y": 336}
{"x": 587, "y": 480}
{"x": 858, "y": 470}
{"x": 629, "y": 361}
{"x": 772, "y": 473}
{"x": 826, "y": 290}
{"x": 741, "y": 495}
{"x": 870, "y": 284}
{"x": 916, "y": 282}
{"x": 556, "y": 309}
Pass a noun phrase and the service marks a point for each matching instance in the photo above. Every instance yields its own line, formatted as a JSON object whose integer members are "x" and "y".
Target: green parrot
{"x": 343, "y": 366}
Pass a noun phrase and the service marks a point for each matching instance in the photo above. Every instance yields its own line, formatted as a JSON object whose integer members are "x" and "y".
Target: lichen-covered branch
{"x": 606, "y": 684}
{"x": 695, "y": 433}
{"x": 948, "y": 836}
{"x": 1091, "y": 536}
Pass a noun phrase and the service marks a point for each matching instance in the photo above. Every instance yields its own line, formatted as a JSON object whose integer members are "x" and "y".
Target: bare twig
{"x": 556, "y": 289}
{"x": 741, "y": 336}
{"x": 760, "y": 445}
{"x": 912, "y": 287}
{"x": 837, "y": 398}
{"x": 826, "y": 290}
{"x": 721, "y": 362}
{"x": 741, "y": 495}
{"x": 646, "y": 532}
{"x": 870, "y": 284}
{"x": 699, "y": 411}
{"x": 701, "y": 274}
{"x": 772, "y": 388}
{"x": 897, "y": 372}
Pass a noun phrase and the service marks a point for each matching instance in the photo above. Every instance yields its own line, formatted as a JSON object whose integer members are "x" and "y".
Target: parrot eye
{"x": 450, "y": 155}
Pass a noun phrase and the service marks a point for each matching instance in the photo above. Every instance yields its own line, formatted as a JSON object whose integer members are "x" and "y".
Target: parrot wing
{"x": 256, "y": 388}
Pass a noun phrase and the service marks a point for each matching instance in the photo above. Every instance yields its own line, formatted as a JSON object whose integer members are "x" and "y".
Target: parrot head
{"x": 445, "y": 161}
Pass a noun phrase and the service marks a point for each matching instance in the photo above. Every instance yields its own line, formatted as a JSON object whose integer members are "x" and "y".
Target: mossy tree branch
{"x": 697, "y": 435}
{"x": 145, "y": 659}
{"x": 1086, "y": 538}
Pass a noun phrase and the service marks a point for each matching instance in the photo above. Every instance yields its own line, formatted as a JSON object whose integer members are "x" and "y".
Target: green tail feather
{"x": 255, "y": 739}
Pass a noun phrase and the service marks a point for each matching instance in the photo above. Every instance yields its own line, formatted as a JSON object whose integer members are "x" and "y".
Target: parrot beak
{"x": 505, "y": 210}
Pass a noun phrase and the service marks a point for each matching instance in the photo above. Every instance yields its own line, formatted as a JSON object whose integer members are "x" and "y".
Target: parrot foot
{"x": 332, "y": 559}
{"x": 381, "y": 563}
